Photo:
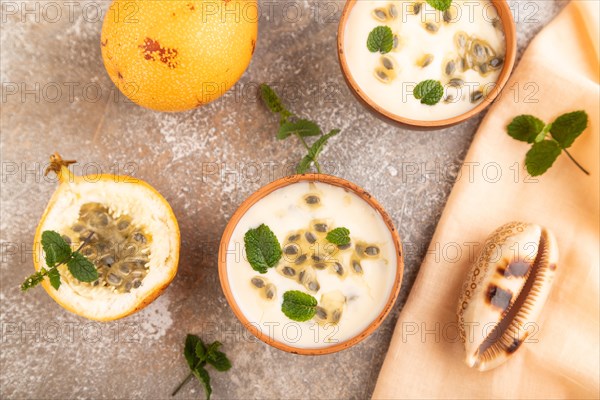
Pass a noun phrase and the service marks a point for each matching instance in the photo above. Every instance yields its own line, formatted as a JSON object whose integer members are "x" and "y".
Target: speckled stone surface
{"x": 205, "y": 162}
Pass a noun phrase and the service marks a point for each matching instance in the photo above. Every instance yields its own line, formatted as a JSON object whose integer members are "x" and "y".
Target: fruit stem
{"x": 60, "y": 167}
{"x": 576, "y": 163}
{"x": 186, "y": 380}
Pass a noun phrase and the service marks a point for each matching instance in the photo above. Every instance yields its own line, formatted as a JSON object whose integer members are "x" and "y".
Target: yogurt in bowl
{"x": 468, "y": 49}
{"x": 353, "y": 284}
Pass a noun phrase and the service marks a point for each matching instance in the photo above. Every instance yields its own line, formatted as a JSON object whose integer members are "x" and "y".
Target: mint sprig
{"x": 339, "y": 236}
{"x": 548, "y": 140}
{"x": 262, "y": 248}
{"x": 441, "y": 5}
{"x": 298, "y": 306}
{"x": 430, "y": 92}
{"x": 58, "y": 252}
{"x": 198, "y": 355}
{"x": 380, "y": 39}
{"x": 291, "y": 125}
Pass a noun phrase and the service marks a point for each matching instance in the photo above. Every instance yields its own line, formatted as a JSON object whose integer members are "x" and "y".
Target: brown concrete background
{"x": 50, "y": 353}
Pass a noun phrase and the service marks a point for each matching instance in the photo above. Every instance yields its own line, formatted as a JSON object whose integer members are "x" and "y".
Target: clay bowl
{"x": 508, "y": 24}
{"x": 258, "y": 195}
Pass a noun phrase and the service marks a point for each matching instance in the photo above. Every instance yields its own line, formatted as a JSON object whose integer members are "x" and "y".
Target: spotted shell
{"x": 505, "y": 291}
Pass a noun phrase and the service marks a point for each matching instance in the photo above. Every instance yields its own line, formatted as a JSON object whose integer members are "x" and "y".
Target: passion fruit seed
{"x": 291, "y": 249}
{"x": 337, "y": 267}
{"x": 289, "y": 271}
{"x": 322, "y": 228}
{"x": 383, "y": 75}
{"x": 393, "y": 11}
{"x": 294, "y": 237}
{"x": 270, "y": 291}
{"x": 372, "y": 250}
{"x": 431, "y": 27}
{"x": 312, "y": 200}
{"x": 380, "y": 14}
{"x": 425, "y": 60}
{"x": 476, "y": 96}
{"x": 449, "y": 99}
{"x": 416, "y": 8}
{"x": 300, "y": 259}
{"x": 448, "y": 16}
{"x": 395, "y": 42}
{"x": 356, "y": 267}
{"x": 460, "y": 40}
{"x": 388, "y": 63}
{"x": 119, "y": 249}
{"x": 320, "y": 313}
{"x": 456, "y": 82}
{"x": 258, "y": 282}
{"x": 450, "y": 67}
{"x": 496, "y": 62}
{"x": 310, "y": 237}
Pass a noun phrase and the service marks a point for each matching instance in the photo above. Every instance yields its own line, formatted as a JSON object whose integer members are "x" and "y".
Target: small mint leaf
{"x": 202, "y": 375}
{"x": 541, "y": 156}
{"x": 430, "y": 92}
{"x": 525, "y": 128}
{"x": 302, "y": 127}
{"x": 441, "y": 5}
{"x": 189, "y": 350}
{"x": 272, "y": 101}
{"x": 81, "y": 268}
{"x": 200, "y": 351}
{"x": 262, "y": 248}
{"x": 319, "y": 144}
{"x": 381, "y": 39}
{"x": 566, "y": 128}
{"x": 304, "y": 165}
{"x": 298, "y": 306}
{"x": 219, "y": 361}
{"x": 55, "y": 247}
{"x": 54, "y": 277}
{"x": 339, "y": 236}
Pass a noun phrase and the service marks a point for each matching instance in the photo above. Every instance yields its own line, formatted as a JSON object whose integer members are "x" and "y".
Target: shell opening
{"x": 508, "y": 335}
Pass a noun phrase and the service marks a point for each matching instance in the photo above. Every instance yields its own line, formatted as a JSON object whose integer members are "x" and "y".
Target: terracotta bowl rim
{"x": 509, "y": 27}
{"x": 271, "y": 187}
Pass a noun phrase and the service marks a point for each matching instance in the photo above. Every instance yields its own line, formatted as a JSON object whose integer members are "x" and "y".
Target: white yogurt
{"x": 475, "y": 18}
{"x": 285, "y": 211}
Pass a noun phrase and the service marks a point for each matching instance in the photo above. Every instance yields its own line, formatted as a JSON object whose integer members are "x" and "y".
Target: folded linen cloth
{"x": 561, "y": 360}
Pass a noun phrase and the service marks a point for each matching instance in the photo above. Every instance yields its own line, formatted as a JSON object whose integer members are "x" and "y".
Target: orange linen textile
{"x": 561, "y": 360}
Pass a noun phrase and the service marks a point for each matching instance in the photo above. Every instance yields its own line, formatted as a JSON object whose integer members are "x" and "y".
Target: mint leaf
{"x": 202, "y": 375}
{"x": 81, "y": 268}
{"x": 541, "y": 157}
{"x": 298, "y": 306}
{"x": 441, "y": 5}
{"x": 217, "y": 358}
{"x": 339, "y": 236}
{"x": 55, "y": 247}
{"x": 381, "y": 39}
{"x": 189, "y": 350}
{"x": 320, "y": 143}
{"x": 430, "y": 92}
{"x": 302, "y": 127}
{"x": 304, "y": 165}
{"x": 200, "y": 351}
{"x": 272, "y": 101}
{"x": 54, "y": 277}
{"x": 525, "y": 128}
{"x": 568, "y": 127}
{"x": 262, "y": 248}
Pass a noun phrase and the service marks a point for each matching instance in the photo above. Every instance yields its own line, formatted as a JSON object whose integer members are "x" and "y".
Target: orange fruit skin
{"x": 38, "y": 262}
{"x": 177, "y": 55}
